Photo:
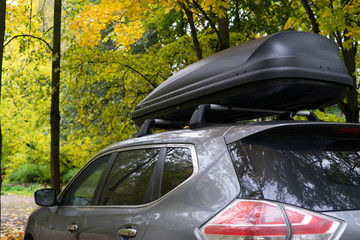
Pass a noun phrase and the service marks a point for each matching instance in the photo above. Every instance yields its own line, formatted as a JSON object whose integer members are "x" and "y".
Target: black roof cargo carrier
{"x": 283, "y": 72}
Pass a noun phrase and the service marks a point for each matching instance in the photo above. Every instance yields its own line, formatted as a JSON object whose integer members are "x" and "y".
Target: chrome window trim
{"x": 195, "y": 172}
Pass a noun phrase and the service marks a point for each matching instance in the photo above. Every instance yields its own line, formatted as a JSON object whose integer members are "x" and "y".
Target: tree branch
{"x": 147, "y": 79}
{"x": 48, "y": 30}
{"x": 314, "y": 5}
{"x": 207, "y": 18}
{"x": 41, "y": 9}
{"x": 311, "y": 16}
{"x": 338, "y": 38}
{"x": 125, "y": 65}
{"x": 195, "y": 39}
{"x": 31, "y": 36}
{"x": 30, "y": 16}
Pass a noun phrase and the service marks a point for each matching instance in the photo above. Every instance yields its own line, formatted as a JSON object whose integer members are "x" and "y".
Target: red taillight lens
{"x": 257, "y": 220}
{"x": 248, "y": 219}
{"x": 309, "y": 225}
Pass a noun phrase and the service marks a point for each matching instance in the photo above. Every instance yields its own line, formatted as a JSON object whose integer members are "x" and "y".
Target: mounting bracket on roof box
{"x": 290, "y": 116}
{"x": 198, "y": 118}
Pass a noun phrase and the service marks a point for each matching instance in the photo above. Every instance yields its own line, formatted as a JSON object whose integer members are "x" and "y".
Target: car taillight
{"x": 260, "y": 220}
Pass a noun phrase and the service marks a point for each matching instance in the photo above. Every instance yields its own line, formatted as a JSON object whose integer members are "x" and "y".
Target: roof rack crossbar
{"x": 217, "y": 107}
{"x": 198, "y": 118}
{"x": 158, "y": 123}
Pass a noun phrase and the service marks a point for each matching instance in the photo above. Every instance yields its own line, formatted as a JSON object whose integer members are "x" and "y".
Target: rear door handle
{"x": 72, "y": 227}
{"x": 127, "y": 232}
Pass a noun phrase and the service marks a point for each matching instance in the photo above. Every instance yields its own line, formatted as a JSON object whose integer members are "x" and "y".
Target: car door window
{"x": 129, "y": 177}
{"x": 82, "y": 190}
{"x": 178, "y": 167}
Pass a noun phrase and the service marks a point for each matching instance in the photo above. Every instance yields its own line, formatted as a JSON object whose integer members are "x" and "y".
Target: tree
{"x": 2, "y": 37}
{"x": 23, "y": 12}
{"x": 55, "y": 96}
{"x": 25, "y": 82}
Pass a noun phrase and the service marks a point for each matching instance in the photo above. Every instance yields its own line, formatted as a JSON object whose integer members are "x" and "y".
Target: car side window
{"x": 82, "y": 190}
{"x": 178, "y": 167}
{"x": 129, "y": 177}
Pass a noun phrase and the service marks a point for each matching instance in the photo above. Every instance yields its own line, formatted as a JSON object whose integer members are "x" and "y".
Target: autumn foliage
{"x": 116, "y": 52}
{"x": 14, "y": 235}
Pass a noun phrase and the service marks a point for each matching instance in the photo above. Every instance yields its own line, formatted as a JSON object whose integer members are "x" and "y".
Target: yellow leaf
{"x": 289, "y": 23}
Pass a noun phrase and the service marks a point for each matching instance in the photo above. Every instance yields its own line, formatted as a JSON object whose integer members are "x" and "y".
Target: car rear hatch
{"x": 297, "y": 181}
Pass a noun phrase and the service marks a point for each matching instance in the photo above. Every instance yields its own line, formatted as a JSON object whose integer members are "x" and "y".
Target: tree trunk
{"x": 311, "y": 15}
{"x": 224, "y": 35}
{"x": 2, "y": 36}
{"x": 55, "y": 112}
{"x": 189, "y": 15}
{"x": 212, "y": 24}
{"x": 237, "y": 23}
{"x": 351, "y": 107}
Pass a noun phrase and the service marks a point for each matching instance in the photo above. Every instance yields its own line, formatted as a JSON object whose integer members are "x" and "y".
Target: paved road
{"x": 14, "y": 212}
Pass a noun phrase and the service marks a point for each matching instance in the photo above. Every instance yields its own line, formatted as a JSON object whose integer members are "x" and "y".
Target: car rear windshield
{"x": 320, "y": 172}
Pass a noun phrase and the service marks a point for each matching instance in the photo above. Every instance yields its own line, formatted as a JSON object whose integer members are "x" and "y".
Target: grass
{"x": 19, "y": 189}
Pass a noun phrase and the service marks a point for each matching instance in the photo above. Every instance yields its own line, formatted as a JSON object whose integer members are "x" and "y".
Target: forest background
{"x": 115, "y": 52}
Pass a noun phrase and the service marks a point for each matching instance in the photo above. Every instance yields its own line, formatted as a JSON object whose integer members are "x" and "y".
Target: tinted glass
{"x": 82, "y": 190}
{"x": 178, "y": 167}
{"x": 317, "y": 173}
{"x": 130, "y": 177}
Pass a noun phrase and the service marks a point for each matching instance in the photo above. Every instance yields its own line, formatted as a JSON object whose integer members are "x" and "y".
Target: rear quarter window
{"x": 178, "y": 167}
{"x": 320, "y": 173}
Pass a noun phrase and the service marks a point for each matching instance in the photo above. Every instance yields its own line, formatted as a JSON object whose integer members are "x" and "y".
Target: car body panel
{"x": 52, "y": 222}
{"x": 351, "y": 229}
{"x": 104, "y": 222}
{"x": 93, "y": 222}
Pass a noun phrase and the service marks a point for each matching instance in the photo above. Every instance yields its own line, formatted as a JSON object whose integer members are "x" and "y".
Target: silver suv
{"x": 220, "y": 177}
{"x": 279, "y": 180}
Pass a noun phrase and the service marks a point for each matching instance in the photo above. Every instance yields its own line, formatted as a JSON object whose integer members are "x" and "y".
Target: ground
{"x": 14, "y": 213}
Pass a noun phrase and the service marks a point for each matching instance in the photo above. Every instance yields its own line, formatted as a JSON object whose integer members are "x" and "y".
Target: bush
{"x": 27, "y": 173}
{"x": 20, "y": 189}
{"x": 36, "y": 173}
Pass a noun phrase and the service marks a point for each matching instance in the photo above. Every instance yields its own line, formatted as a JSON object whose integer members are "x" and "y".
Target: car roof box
{"x": 286, "y": 71}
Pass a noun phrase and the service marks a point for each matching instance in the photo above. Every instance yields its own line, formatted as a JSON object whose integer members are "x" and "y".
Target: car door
{"x": 61, "y": 222}
{"x": 124, "y": 206}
